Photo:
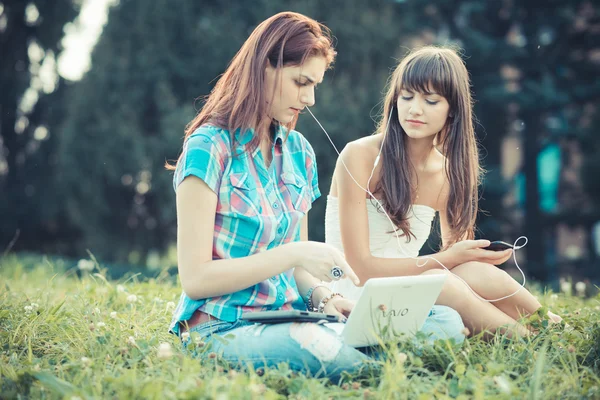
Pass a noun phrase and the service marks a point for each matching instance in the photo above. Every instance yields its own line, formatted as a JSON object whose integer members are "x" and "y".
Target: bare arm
{"x": 445, "y": 232}
{"x": 477, "y": 253}
{"x": 202, "y": 277}
{"x": 304, "y": 280}
{"x": 354, "y": 224}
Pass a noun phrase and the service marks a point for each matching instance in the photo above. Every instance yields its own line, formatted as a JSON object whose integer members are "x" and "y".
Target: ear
{"x": 269, "y": 69}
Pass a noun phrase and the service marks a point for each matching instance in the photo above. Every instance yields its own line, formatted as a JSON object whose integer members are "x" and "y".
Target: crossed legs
{"x": 490, "y": 283}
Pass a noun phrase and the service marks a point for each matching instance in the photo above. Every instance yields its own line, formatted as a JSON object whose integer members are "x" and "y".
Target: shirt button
{"x": 274, "y": 278}
{"x": 280, "y": 296}
{"x": 275, "y": 205}
{"x": 206, "y": 140}
{"x": 279, "y": 230}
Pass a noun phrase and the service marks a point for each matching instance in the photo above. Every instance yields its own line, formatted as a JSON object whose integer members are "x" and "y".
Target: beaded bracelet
{"x": 326, "y": 299}
{"x": 308, "y": 300}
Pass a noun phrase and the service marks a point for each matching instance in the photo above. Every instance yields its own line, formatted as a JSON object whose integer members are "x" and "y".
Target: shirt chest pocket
{"x": 243, "y": 197}
{"x": 297, "y": 191}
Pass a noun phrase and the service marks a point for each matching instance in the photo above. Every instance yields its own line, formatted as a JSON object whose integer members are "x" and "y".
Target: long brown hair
{"x": 238, "y": 99}
{"x": 438, "y": 69}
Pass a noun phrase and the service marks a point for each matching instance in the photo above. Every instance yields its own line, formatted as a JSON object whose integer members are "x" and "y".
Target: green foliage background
{"x": 98, "y": 183}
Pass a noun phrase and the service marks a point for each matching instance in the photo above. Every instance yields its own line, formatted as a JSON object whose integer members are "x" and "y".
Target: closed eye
{"x": 430, "y": 102}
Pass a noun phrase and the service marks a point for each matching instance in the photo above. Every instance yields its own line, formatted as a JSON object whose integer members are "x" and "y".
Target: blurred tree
{"x": 530, "y": 65}
{"x": 30, "y": 98}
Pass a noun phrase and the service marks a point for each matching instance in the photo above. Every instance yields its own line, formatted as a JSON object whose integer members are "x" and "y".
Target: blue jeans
{"x": 306, "y": 347}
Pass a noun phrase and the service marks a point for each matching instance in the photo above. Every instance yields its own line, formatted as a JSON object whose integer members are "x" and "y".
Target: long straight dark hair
{"x": 238, "y": 100}
{"x": 438, "y": 69}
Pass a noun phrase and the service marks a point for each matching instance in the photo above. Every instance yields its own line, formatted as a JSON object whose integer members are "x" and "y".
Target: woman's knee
{"x": 444, "y": 323}
{"x": 436, "y": 271}
{"x": 455, "y": 293}
{"x": 483, "y": 274}
{"x": 325, "y": 344}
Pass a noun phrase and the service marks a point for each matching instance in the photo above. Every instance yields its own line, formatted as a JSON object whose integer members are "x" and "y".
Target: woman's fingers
{"x": 507, "y": 255}
{"x": 341, "y": 308}
{"x": 345, "y": 306}
{"x": 481, "y": 243}
{"x": 496, "y": 257}
{"x": 340, "y": 261}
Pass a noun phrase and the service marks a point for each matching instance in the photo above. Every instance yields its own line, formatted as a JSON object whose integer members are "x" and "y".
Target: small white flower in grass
{"x": 565, "y": 287}
{"x": 553, "y": 296}
{"x": 86, "y": 361}
{"x": 580, "y": 288}
{"x": 198, "y": 340}
{"x": 96, "y": 311}
{"x": 185, "y": 336}
{"x": 100, "y": 325}
{"x": 402, "y": 357}
{"x": 113, "y": 314}
{"x": 121, "y": 289}
{"x": 28, "y": 309}
{"x": 170, "y": 306}
{"x": 35, "y": 306}
{"x": 132, "y": 298}
{"x": 75, "y": 398}
{"x": 85, "y": 265}
{"x": 131, "y": 341}
{"x": 503, "y": 384}
{"x": 164, "y": 351}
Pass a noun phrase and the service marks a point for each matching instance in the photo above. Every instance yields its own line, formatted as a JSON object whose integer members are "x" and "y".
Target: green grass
{"x": 66, "y": 335}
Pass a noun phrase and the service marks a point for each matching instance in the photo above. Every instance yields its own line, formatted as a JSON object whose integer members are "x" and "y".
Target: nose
{"x": 415, "y": 108}
{"x": 307, "y": 96}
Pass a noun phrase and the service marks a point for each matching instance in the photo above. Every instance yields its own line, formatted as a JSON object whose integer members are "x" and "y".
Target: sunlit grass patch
{"x": 75, "y": 334}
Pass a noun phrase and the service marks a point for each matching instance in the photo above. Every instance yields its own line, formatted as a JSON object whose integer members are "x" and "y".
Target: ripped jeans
{"x": 306, "y": 347}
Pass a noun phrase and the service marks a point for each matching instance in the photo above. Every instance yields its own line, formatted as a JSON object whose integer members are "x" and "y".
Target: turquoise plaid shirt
{"x": 258, "y": 208}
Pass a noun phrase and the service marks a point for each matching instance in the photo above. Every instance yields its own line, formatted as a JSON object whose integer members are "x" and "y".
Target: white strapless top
{"x": 382, "y": 240}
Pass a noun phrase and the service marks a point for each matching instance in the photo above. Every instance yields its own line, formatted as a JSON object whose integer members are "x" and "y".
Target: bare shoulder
{"x": 358, "y": 158}
{"x": 363, "y": 150}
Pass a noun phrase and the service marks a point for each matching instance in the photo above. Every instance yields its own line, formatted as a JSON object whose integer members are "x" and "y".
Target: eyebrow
{"x": 310, "y": 79}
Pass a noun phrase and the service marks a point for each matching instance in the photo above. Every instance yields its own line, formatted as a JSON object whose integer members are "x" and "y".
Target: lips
{"x": 416, "y": 122}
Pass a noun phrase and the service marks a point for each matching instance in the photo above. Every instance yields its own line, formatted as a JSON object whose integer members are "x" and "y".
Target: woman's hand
{"x": 318, "y": 259}
{"x": 339, "y": 307}
{"x": 473, "y": 250}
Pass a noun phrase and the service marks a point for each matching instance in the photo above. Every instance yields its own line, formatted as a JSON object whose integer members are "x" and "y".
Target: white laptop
{"x": 390, "y": 307}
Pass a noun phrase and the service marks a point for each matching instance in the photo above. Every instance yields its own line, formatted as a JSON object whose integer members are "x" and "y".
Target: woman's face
{"x": 295, "y": 88}
{"x": 422, "y": 115}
